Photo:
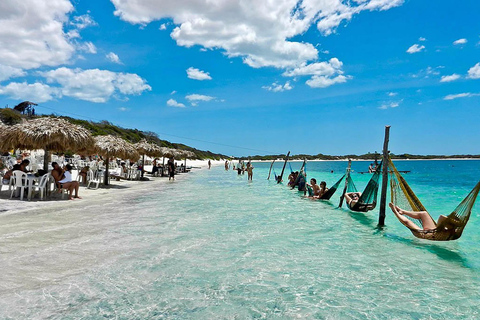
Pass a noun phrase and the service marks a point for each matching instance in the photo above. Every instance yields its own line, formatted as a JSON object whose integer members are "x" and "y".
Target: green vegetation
{"x": 10, "y": 116}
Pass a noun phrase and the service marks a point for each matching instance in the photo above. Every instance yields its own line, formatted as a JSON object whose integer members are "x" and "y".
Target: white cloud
{"x": 259, "y": 32}
{"x": 390, "y": 105}
{"x": 163, "y": 26}
{"x": 429, "y": 71}
{"x": 32, "y": 35}
{"x": 392, "y": 94}
{"x": 415, "y": 48}
{"x": 113, "y": 57}
{"x": 460, "y": 95}
{"x": 197, "y": 74}
{"x": 83, "y": 21}
{"x": 450, "y": 78}
{"x": 123, "y": 109}
{"x": 460, "y": 41}
{"x": 323, "y": 82}
{"x": 37, "y": 92}
{"x": 324, "y": 74}
{"x": 276, "y": 87}
{"x": 95, "y": 85}
{"x": 173, "y": 92}
{"x": 7, "y": 72}
{"x": 474, "y": 72}
{"x": 174, "y": 103}
{"x": 422, "y": 39}
{"x": 199, "y": 97}
{"x": 88, "y": 47}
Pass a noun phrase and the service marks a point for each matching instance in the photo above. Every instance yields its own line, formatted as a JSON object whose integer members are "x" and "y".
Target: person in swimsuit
{"x": 352, "y": 198}
{"x": 250, "y": 171}
{"x": 322, "y": 190}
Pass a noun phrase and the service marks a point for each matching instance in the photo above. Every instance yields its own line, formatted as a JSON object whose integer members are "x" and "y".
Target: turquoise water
{"x": 214, "y": 246}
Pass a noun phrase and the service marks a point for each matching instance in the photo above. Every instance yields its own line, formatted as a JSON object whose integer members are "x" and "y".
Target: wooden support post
{"x": 346, "y": 183}
{"x": 105, "y": 177}
{"x": 46, "y": 160}
{"x": 283, "y": 169}
{"x": 270, "y": 171}
{"x": 383, "y": 196}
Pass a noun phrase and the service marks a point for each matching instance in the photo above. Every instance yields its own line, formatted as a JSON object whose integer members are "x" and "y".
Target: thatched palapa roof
{"x": 150, "y": 149}
{"x": 177, "y": 153}
{"x": 47, "y": 133}
{"x": 111, "y": 146}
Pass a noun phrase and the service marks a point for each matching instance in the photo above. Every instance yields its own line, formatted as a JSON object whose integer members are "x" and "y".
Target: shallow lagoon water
{"x": 214, "y": 246}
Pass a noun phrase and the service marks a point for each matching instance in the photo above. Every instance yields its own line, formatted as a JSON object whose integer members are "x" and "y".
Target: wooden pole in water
{"x": 270, "y": 171}
{"x": 383, "y": 196}
{"x": 283, "y": 169}
{"x": 346, "y": 183}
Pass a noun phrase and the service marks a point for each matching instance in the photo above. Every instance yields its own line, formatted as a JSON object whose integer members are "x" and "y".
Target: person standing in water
{"x": 209, "y": 164}
{"x": 171, "y": 169}
{"x": 250, "y": 171}
{"x": 226, "y": 165}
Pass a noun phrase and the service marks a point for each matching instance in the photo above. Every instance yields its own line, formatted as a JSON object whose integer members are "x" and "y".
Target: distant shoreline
{"x": 371, "y": 160}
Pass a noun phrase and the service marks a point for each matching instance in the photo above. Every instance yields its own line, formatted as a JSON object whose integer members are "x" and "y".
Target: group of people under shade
{"x": 62, "y": 176}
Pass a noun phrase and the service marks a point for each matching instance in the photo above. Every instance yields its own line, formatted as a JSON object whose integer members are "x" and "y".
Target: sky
{"x": 246, "y": 77}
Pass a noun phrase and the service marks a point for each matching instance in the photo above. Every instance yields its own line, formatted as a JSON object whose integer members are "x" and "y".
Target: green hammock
{"x": 327, "y": 195}
{"x": 451, "y": 226}
{"x": 368, "y": 199}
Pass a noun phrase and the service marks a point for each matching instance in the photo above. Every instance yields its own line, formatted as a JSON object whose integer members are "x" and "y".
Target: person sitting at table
{"x": 24, "y": 164}
{"x": 8, "y": 175}
{"x": 63, "y": 179}
{"x": 122, "y": 174}
{"x": 154, "y": 166}
{"x": 83, "y": 173}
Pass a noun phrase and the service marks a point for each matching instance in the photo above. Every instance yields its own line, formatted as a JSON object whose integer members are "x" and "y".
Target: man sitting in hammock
{"x": 425, "y": 218}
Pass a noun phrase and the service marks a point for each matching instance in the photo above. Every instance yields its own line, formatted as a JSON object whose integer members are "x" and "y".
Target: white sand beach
{"x": 115, "y": 189}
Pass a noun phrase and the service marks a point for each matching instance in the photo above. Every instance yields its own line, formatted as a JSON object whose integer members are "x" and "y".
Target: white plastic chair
{"x": 19, "y": 181}
{"x": 43, "y": 185}
{"x": 92, "y": 179}
{"x": 9, "y": 184}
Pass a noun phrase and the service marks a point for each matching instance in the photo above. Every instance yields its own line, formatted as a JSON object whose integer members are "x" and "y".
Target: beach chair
{"x": 19, "y": 181}
{"x": 43, "y": 185}
{"x": 93, "y": 179}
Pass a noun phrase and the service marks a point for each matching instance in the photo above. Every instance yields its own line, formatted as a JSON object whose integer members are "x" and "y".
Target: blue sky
{"x": 245, "y": 77}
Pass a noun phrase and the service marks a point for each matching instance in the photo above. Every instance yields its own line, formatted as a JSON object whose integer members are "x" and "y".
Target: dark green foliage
{"x": 135, "y": 135}
{"x": 10, "y": 116}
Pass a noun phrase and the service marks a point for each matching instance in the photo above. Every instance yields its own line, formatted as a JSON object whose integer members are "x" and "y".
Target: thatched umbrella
{"x": 50, "y": 134}
{"x": 111, "y": 146}
{"x": 145, "y": 148}
{"x": 186, "y": 154}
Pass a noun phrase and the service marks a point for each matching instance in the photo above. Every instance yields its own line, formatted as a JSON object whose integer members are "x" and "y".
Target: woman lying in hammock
{"x": 352, "y": 198}
{"x": 427, "y": 222}
{"x": 356, "y": 203}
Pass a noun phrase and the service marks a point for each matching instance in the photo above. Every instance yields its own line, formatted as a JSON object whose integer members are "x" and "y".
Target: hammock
{"x": 450, "y": 227}
{"x": 291, "y": 170}
{"x": 368, "y": 199}
{"x": 327, "y": 195}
